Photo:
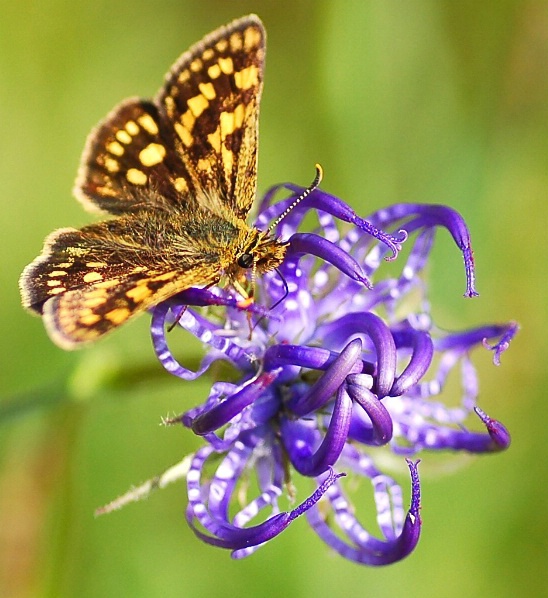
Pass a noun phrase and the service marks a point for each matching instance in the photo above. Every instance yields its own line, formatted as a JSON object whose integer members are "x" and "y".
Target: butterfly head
{"x": 258, "y": 252}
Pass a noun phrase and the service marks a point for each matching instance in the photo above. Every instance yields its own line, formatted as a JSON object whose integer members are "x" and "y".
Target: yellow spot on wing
{"x": 90, "y": 319}
{"x": 93, "y": 302}
{"x": 107, "y": 190}
{"x": 111, "y": 164}
{"x": 239, "y": 112}
{"x": 236, "y": 41}
{"x": 148, "y": 124}
{"x": 181, "y": 185}
{"x": 214, "y": 71}
{"x": 252, "y": 38}
{"x": 123, "y": 136}
{"x": 139, "y": 293}
{"x": 132, "y": 127}
{"x": 96, "y": 264}
{"x": 247, "y": 78}
{"x": 184, "y": 76}
{"x": 93, "y": 277}
{"x": 136, "y": 177}
{"x": 227, "y": 66}
{"x": 228, "y": 161}
{"x": 221, "y": 45}
{"x": 196, "y": 65}
{"x": 197, "y": 104}
{"x": 53, "y": 283}
{"x": 227, "y": 124}
{"x": 208, "y": 54}
{"x": 170, "y": 105}
{"x": 204, "y": 164}
{"x": 57, "y": 273}
{"x": 115, "y": 148}
{"x": 118, "y": 315}
{"x": 188, "y": 119}
{"x": 57, "y": 290}
{"x": 215, "y": 140}
{"x": 207, "y": 89}
{"x": 153, "y": 154}
{"x": 184, "y": 134}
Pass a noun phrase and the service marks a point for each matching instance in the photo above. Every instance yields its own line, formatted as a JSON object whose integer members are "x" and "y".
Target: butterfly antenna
{"x": 314, "y": 185}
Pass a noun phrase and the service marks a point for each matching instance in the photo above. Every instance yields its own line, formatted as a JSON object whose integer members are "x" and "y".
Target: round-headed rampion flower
{"x": 331, "y": 372}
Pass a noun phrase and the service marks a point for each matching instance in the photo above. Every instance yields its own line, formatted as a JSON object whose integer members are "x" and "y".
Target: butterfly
{"x": 178, "y": 175}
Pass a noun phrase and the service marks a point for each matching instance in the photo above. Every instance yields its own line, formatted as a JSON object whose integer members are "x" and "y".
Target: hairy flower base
{"x": 337, "y": 369}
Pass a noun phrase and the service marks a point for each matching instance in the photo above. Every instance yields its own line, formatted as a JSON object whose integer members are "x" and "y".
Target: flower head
{"x": 330, "y": 368}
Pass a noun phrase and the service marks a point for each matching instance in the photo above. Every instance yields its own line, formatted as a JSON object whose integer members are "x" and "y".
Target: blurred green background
{"x": 430, "y": 101}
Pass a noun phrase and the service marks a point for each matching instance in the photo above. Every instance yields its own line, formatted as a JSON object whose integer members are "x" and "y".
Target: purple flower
{"x": 329, "y": 369}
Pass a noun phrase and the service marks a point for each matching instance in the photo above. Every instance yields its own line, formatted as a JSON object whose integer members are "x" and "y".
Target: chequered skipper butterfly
{"x": 178, "y": 174}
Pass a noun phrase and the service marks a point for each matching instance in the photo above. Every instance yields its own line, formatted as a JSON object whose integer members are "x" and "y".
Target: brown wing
{"x": 211, "y": 97}
{"x": 197, "y": 142}
{"x": 83, "y": 315}
{"x": 88, "y": 282}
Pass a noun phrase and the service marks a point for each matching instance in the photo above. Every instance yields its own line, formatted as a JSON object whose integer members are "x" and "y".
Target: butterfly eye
{"x": 245, "y": 260}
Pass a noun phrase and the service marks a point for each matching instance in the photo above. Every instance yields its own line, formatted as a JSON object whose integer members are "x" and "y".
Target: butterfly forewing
{"x": 211, "y": 97}
{"x": 130, "y": 162}
{"x": 196, "y": 142}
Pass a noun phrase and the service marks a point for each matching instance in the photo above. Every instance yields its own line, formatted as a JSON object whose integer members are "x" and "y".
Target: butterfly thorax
{"x": 223, "y": 244}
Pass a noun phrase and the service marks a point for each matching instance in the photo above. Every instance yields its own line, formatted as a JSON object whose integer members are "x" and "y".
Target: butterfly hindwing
{"x": 87, "y": 282}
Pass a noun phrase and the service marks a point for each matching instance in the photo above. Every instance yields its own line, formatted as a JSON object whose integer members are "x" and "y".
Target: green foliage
{"x": 443, "y": 102}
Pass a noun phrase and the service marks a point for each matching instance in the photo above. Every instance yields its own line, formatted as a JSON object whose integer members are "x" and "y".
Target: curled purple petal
{"x": 438, "y": 215}
{"x": 330, "y": 381}
{"x": 204, "y": 331}
{"x": 469, "y": 338}
{"x": 413, "y": 216}
{"x": 311, "y": 244}
{"x": 363, "y": 548}
{"x": 159, "y": 316}
{"x": 299, "y": 447}
{"x": 421, "y": 358}
{"x": 381, "y": 338}
{"x": 321, "y": 200}
{"x": 380, "y": 430}
{"x": 221, "y": 414}
{"x": 297, "y": 355}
